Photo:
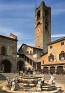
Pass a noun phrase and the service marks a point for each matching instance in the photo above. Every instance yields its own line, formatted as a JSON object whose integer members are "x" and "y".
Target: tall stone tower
{"x": 42, "y": 26}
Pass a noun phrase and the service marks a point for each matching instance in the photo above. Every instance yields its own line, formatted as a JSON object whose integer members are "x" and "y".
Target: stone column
{"x": 14, "y": 65}
{"x": 42, "y": 68}
{"x": 55, "y": 69}
{"x": 32, "y": 64}
{"x": 36, "y": 66}
{"x": 26, "y": 59}
{"x": 48, "y": 69}
{"x": 64, "y": 68}
{"x": 29, "y": 61}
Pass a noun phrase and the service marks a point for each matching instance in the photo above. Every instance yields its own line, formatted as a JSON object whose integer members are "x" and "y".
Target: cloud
{"x": 18, "y": 45}
{"x": 28, "y": 43}
{"x": 57, "y": 11}
{"x": 31, "y": 44}
{"x": 58, "y": 8}
{"x": 57, "y": 35}
{"x": 16, "y": 10}
{"x": 20, "y": 36}
{"x": 7, "y": 31}
{"x": 15, "y": 6}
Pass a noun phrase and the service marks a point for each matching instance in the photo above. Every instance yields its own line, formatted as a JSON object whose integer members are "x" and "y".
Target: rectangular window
{"x": 62, "y": 43}
{"x": 62, "y": 56}
{"x": 51, "y": 58}
{"x": 43, "y": 61}
{"x": 50, "y": 47}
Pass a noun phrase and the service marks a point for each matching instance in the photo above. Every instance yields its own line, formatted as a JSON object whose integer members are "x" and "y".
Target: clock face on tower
{"x": 38, "y": 31}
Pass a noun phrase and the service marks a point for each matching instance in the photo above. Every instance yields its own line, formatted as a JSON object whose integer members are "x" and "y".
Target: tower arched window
{"x": 3, "y": 50}
{"x": 62, "y": 55}
{"x": 46, "y": 13}
{"x": 38, "y": 14}
{"x": 51, "y": 57}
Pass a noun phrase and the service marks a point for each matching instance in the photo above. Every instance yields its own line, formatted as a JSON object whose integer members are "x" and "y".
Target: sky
{"x": 18, "y": 17}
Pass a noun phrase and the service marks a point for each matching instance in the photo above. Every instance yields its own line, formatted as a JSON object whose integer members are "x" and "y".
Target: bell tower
{"x": 42, "y": 26}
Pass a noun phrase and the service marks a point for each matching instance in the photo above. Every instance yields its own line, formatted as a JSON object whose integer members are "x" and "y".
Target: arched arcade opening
{"x": 6, "y": 66}
{"x": 20, "y": 66}
{"x": 52, "y": 70}
{"x": 45, "y": 70}
{"x": 60, "y": 70}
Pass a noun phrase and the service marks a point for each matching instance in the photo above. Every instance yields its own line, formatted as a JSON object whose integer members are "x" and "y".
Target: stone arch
{"x": 45, "y": 70}
{"x": 60, "y": 70}
{"x": 3, "y": 50}
{"x": 38, "y": 14}
{"x": 6, "y": 66}
{"x": 52, "y": 70}
{"x": 20, "y": 65}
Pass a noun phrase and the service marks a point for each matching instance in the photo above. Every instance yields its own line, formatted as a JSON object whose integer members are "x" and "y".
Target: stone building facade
{"x": 30, "y": 50}
{"x": 42, "y": 26}
{"x": 47, "y": 56}
{"x": 54, "y": 60}
{"x": 8, "y": 53}
{"x": 9, "y": 60}
{"x": 30, "y": 55}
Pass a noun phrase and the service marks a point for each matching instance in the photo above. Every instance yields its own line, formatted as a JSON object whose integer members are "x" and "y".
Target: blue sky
{"x": 17, "y": 17}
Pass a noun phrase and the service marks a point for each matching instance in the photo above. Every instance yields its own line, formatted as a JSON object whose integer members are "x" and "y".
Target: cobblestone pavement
{"x": 59, "y": 79}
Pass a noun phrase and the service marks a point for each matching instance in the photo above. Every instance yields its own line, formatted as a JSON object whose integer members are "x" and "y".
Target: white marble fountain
{"x": 34, "y": 83}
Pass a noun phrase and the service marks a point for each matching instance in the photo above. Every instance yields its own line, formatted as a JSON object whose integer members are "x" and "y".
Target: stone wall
{"x": 8, "y": 52}
{"x": 42, "y": 26}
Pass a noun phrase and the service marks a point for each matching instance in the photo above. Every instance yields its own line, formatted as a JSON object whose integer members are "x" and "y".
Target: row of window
{"x": 62, "y": 43}
{"x": 61, "y": 56}
{"x": 32, "y": 52}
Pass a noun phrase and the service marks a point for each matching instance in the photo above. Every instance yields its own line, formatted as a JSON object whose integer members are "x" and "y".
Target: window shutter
{"x": 59, "y": 56}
